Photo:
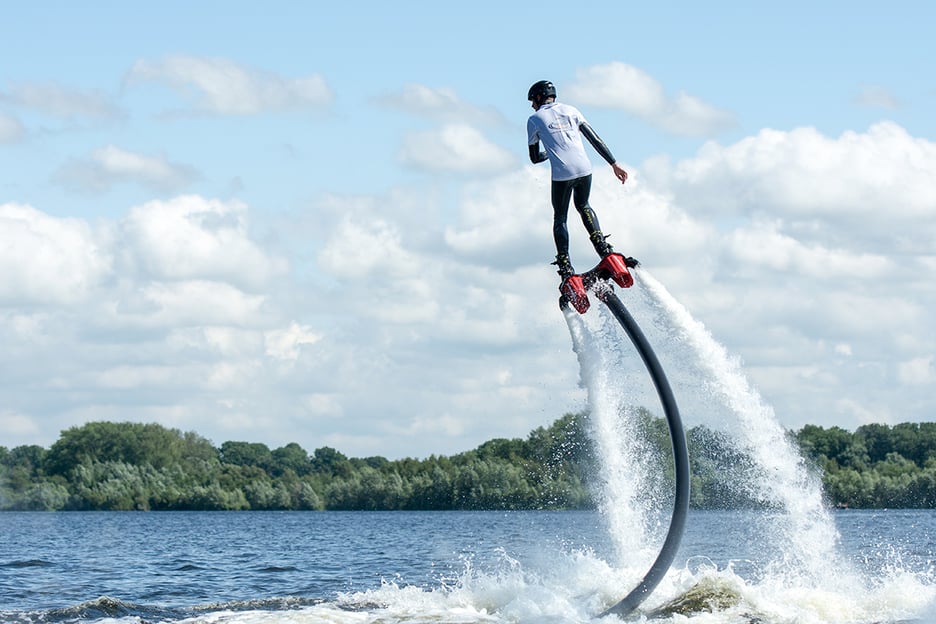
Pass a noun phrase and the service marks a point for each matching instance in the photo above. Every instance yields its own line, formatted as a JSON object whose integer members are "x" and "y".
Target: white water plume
{"x": 799, "y": 528}
{"x": 626, "y": 496}
{"x": 804, "y": 526}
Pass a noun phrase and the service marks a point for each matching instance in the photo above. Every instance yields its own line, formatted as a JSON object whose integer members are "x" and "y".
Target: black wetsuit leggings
{"x": 578, "y": 190}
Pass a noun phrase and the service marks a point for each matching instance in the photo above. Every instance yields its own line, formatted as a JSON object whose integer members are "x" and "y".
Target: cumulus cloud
{"x": 405, "y": 313}
{"x": 192, "y": 302}
{"x": 439, "y": 103}
{"x": 190, "y": 237}
{"x": 505, "y": 221}
{"x": 918, "y": 371}
{"x": 763, "y": 245}
{"x": 17, "y": 424}
{"x": 61, "y": 101}
{"x": 225, "y": 340}
{"x": 48, "y": 260}
{"x": 224, "y": 87}
{"x": 381, "y": 239}
{"x": 374, "y": 251}
{"x": 817, "y": 241}
{"x": 413, "y": 341}
{"x": 110, "y": 165}
{"x": 151, "y": 317}
{"x": 285, "y": 343}
{"x": 11, "y": 129}
{"x": 809, "y": 255}
{"x": 456, "y": 148}
{"x": 874, "y": 187}
{"x": 800, "y": 197}
{"x": 622, "y": 86}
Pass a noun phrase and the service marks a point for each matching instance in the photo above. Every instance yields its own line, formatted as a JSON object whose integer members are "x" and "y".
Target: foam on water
{"x": 573, "y": 587}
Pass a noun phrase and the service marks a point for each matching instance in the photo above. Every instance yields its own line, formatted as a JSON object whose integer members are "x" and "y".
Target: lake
{"x": 309, "y": 567}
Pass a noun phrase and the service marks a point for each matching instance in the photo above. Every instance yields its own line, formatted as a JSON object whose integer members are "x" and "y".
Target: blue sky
{"x": 317, "y": 223}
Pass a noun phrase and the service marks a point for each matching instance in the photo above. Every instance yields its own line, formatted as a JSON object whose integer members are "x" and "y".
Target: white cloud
{"x": 373, "y": 253}
{"x": 439, "y": 103}
{"x": 505, "y": 237}
{"x": 11, "y": 129}
{"x": 110, "y": 165}
{"x": 322, "y": 405}
{"x": 401, "y": 317}
{"x": 863, "y": 413}
{"x": 873, "y": 188}
{"x": 224, "y": 87}
{"x": 506, "y": 222}
{"x": 226, "y": 341}
{"x": 455, "y": 148}
{"x": 60, "y": 101}
{"x": 284, "y": 344}
{"x": 622, "y": 86}
{"x": 126, "y": 377}
{"x": 13, "y": 424}
{"x": 918, "y": 371}
{"x": 763, "y": 246}
{"x": 141, "y": 319}
{"x": 190, "y": 237}
{"x": 195, "y": 303}
{"x": 48, "y": 260}
{"x": 843, "y": 349}
{"x": 449, "y": 425}
{"x": 359, "y": 250}
{"x": 788, "y": 242}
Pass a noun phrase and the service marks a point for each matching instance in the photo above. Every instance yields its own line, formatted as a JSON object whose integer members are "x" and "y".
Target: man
{"x": 560, "y": 128}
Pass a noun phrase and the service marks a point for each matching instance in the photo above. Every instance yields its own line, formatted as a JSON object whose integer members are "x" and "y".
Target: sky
{"x": 311, "y": 223}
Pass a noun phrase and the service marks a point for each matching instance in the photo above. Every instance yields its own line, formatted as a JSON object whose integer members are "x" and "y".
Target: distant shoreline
{"x": 107, "y": 466}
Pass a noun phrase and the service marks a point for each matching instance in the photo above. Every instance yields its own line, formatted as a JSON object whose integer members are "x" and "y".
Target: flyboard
{"x": 574, "y": 292}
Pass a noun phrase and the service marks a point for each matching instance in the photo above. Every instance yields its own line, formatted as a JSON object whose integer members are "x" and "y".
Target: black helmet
{"x": 541, "y": 90}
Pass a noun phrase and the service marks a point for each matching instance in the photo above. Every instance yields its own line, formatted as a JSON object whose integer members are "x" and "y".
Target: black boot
{"x": 565, "y": 266}
{"x": 601, "y": 244}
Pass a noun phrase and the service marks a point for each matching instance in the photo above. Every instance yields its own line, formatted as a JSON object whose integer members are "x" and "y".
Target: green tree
{"x": 254, "y": 454}
{"x": 131, "y": 443}
{"x": 291, "y": 457}
{"x": 329, "y": 461}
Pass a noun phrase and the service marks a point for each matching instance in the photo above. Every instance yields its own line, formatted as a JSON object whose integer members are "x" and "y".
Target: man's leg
{"x": 581, "y": 191}
{"x": 561, "y": 194}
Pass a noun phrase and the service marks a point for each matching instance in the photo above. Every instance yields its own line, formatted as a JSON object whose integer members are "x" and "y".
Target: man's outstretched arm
{"x": 602, "y": 150}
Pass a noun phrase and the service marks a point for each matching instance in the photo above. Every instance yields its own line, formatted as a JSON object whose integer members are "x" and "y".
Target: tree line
{"x": 876, "y": 466}
{"x": 135, "y": 466}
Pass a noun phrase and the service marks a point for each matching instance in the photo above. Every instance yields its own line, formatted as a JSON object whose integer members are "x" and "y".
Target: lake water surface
{"x": 444, "y": 567}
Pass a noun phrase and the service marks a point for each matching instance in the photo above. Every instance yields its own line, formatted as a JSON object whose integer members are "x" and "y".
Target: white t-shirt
{"x": 557, "y": 126}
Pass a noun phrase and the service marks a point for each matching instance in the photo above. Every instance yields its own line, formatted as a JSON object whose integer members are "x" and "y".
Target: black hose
{"x": 680, "y": 458}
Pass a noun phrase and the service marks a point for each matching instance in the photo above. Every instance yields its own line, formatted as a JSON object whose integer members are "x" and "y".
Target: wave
{"x": 109, "y": 609}
{"x": 568, "y": 588}
{"x": 29, "y": 563}
{"x": 278, "y": 569}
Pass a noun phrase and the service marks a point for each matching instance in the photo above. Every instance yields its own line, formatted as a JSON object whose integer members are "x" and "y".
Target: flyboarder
{"x": 560, "y": 128}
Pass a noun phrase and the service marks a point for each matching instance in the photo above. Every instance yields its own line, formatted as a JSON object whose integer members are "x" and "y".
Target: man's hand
{"x": 619, "y": 172}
